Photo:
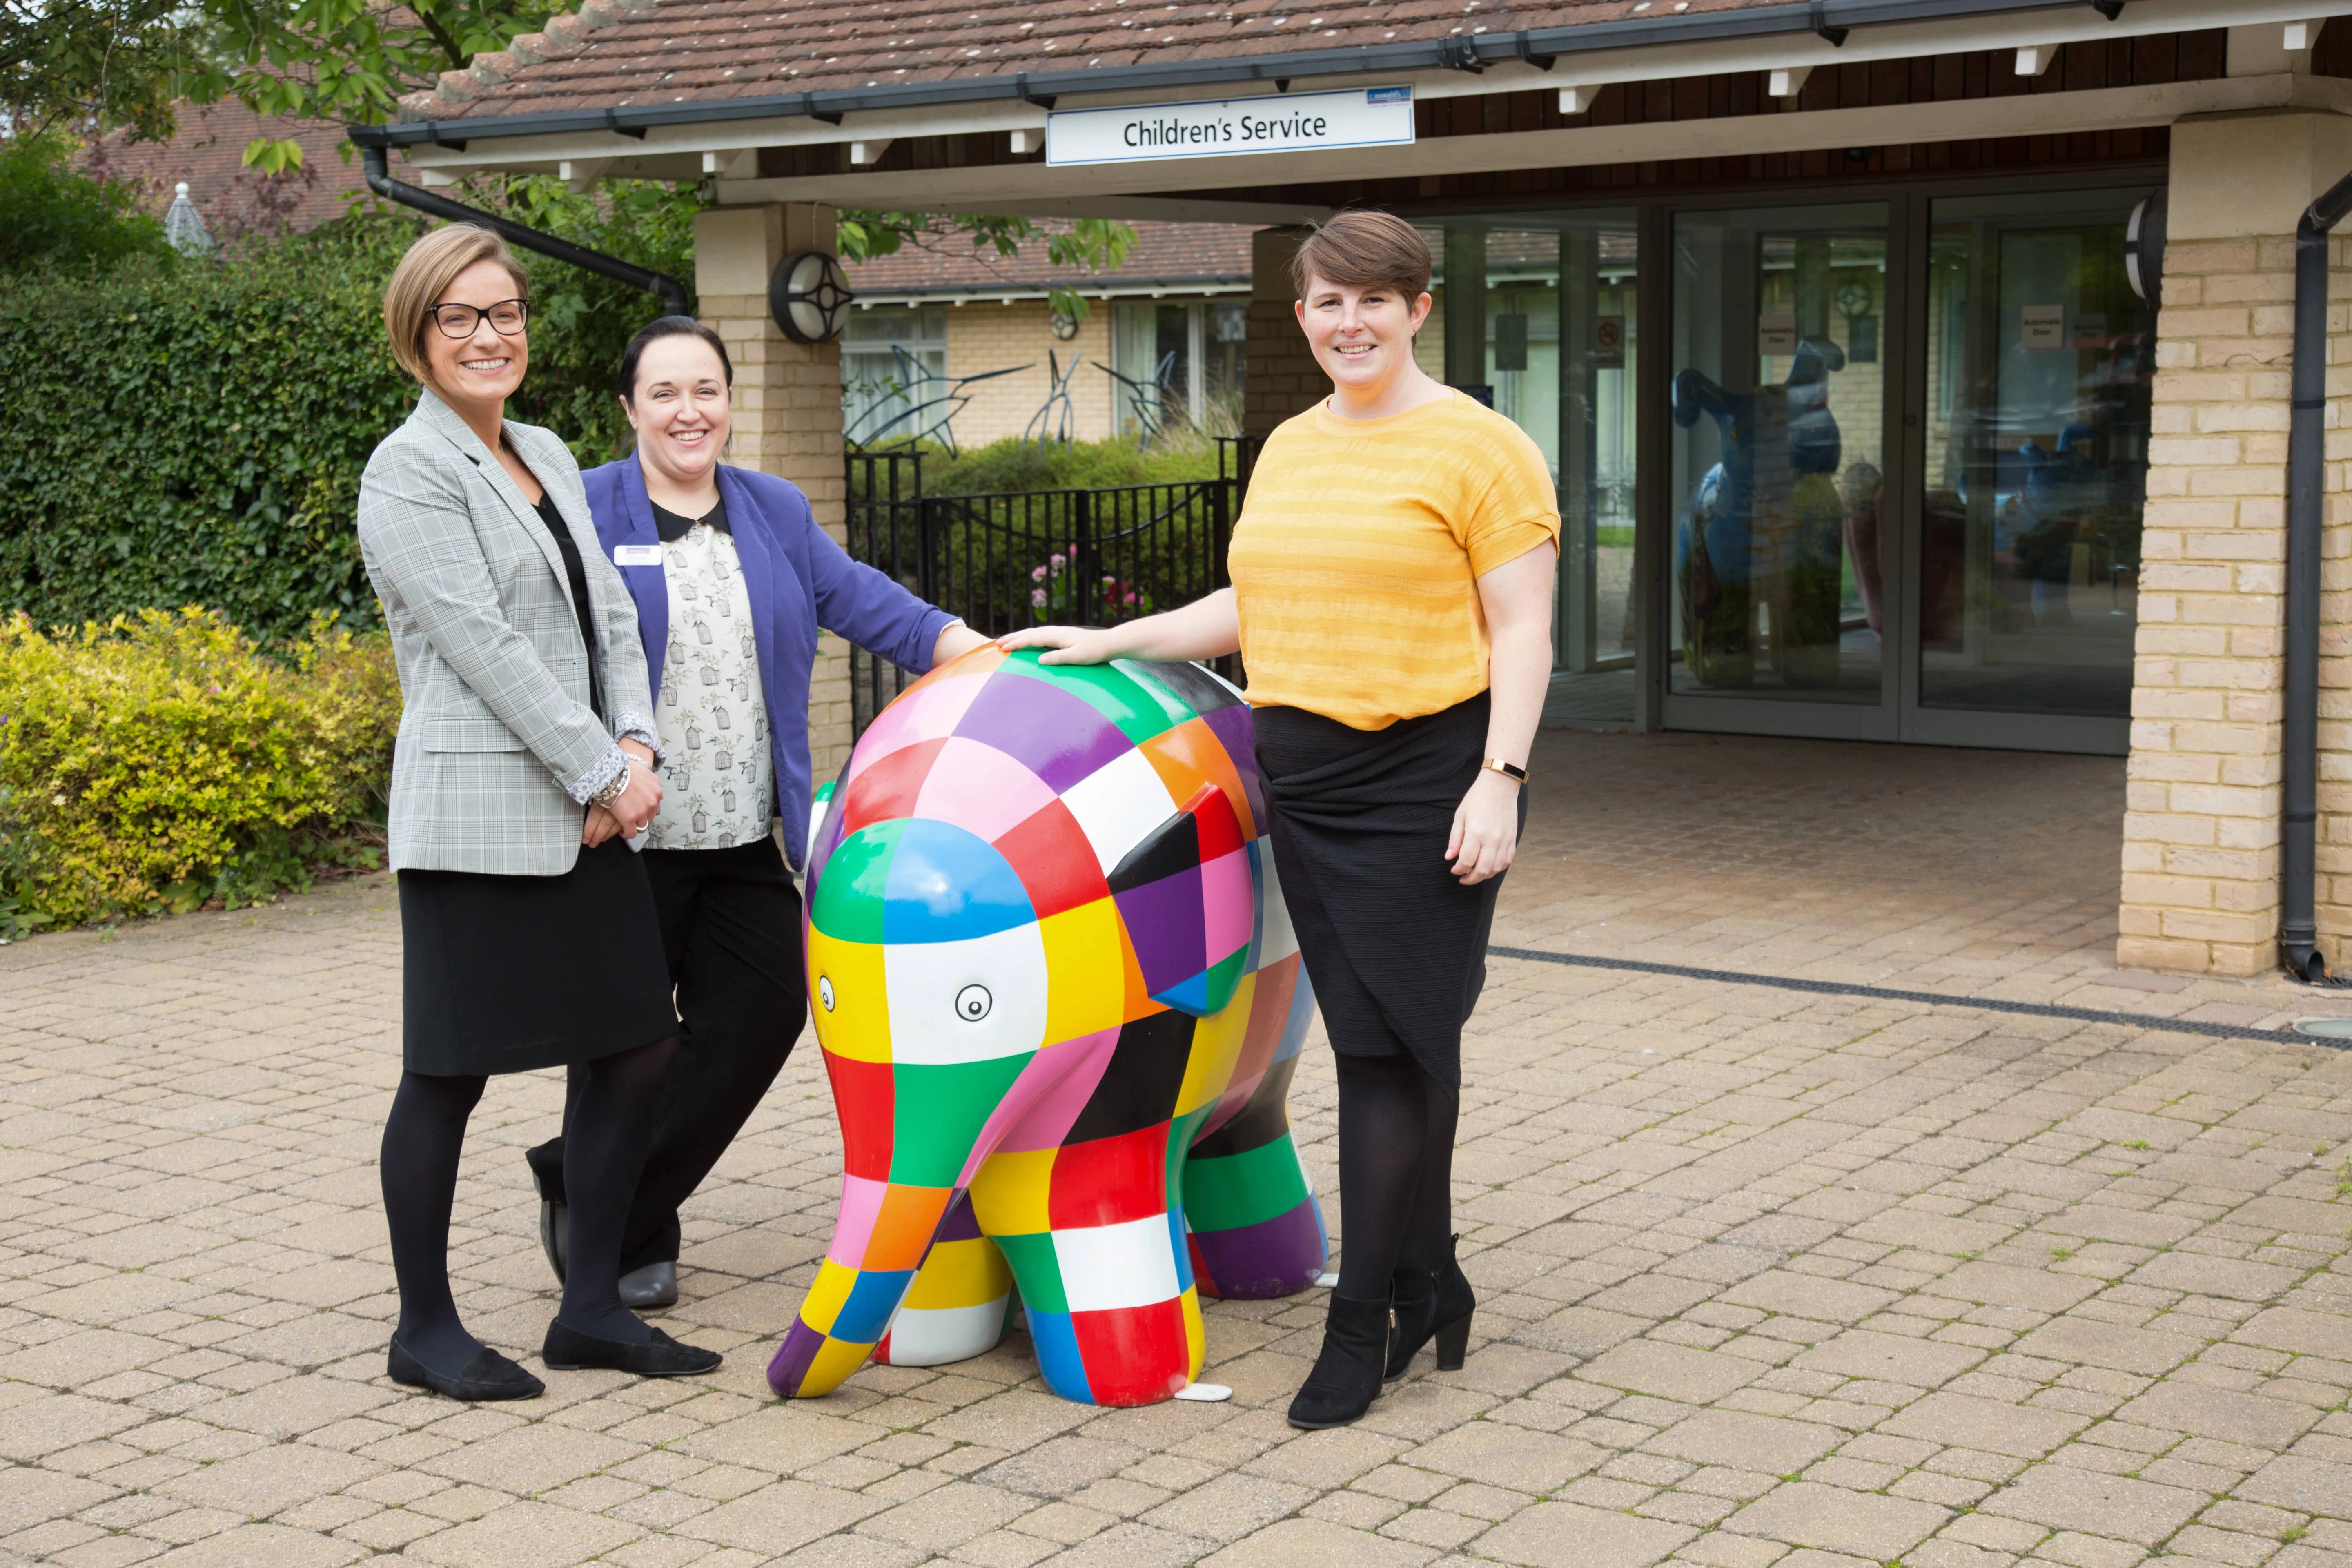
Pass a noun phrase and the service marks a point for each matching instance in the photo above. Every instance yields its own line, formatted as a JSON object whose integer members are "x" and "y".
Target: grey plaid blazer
{"x": 497, "y": 747}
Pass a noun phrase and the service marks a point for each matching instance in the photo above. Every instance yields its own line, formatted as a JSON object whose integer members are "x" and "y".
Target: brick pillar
{"x": 787, "y": 403}
{"x": 1283, "y": 378}
{"x": 2200, "y": 889}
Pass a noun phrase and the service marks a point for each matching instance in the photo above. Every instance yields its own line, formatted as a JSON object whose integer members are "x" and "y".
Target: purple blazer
{"x": 798, "y": 580}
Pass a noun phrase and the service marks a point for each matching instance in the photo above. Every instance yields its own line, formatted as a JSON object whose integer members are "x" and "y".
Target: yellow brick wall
{"x": 787, "y": 404}
{"x": 2200, "y": 889}
{"x": 985, "y": 335}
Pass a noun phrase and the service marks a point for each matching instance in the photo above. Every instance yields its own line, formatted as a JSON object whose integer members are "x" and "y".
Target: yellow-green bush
{"x": 163, "y": 760}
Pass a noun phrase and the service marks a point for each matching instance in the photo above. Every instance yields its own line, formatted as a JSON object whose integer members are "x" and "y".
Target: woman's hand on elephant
{"x": 1486, "y": 836}
{"x": 599, "y": 825}
{"x": 1067, "y": 644}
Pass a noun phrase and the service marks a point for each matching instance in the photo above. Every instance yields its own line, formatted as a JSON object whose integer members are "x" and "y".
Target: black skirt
{"x": 509, "y": 973}
{"x": 1396, "y": 946}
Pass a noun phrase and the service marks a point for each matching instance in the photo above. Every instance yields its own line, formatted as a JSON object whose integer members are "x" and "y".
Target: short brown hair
{"x": 1363, "y": 250}
{"x": 424, "y": 274}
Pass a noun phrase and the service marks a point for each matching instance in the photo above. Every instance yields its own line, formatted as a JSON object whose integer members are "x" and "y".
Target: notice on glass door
{"x": 2045, "y": 327}
{"x": 1776, "y": 334}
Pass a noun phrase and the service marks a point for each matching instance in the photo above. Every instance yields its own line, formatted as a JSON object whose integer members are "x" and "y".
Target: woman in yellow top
{"x": 1392, "y": 601}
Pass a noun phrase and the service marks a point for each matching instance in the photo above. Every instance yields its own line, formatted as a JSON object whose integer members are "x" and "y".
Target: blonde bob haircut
{"x": 424, "y": 274}
{"x": 1363, "y": 250}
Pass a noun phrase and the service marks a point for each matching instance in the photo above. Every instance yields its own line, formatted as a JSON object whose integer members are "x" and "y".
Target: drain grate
{"x": 2339, "y": 1037}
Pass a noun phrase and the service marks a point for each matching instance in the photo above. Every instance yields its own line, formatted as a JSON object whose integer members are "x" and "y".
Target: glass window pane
{"x": 1779, "y": 449}
{"x": 894, "y": 366}
{"x": 2040, "y": 363}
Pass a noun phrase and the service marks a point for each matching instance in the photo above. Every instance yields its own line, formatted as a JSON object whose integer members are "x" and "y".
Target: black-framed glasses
{"x": 507, "y": 318}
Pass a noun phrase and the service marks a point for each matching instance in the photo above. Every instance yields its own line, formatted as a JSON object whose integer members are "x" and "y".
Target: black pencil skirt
{"x": 510, "y": 973}
{"x": 1396, "y": 946}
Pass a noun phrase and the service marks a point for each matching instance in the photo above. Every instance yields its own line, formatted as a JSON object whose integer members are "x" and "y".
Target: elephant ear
{"x": 1187, "y": 898}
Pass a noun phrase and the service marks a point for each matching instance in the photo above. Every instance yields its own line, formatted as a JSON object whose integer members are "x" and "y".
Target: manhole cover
{"x": 2325, "y": 1028}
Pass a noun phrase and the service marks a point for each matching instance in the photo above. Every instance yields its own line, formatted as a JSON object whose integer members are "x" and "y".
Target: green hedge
{"x": 194, "y": 432}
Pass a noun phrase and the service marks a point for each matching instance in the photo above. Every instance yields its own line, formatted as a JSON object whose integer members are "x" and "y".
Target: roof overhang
{"x": 683, "y": 141}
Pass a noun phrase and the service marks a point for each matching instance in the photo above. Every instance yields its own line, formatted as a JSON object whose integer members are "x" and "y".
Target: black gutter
{"x": 2299, "y": 734}
{"x": 1463, "y": 52}
{"x": 672, "y": 293}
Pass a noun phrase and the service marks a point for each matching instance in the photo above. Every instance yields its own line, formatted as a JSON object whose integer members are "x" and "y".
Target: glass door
{"x": 1777, "y": 617}
{"x": 2035, "y": 411}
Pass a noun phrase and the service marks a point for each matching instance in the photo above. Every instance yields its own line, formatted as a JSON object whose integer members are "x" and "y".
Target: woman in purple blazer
{"x": 732, "y": 579}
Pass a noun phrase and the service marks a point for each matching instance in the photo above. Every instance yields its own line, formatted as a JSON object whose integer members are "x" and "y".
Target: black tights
{"x": 611, "y": 1124}
{"x": 1396, "y": 1171}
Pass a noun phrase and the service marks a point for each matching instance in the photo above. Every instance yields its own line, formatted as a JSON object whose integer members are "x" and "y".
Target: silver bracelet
{"x": 617, "y": 788}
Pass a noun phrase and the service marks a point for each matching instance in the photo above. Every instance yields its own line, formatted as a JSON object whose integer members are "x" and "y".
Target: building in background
{"x": 1172, "y": 323}
{"x": 207, "y": 153}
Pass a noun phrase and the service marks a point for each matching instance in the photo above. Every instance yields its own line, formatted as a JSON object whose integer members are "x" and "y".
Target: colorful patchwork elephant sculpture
{"x": 1060, "y": 1001}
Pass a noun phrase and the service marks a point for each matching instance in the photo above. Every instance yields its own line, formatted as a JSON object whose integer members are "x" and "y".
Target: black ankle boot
{"x": 1347, "y": 1376}
{"x": 1431, "y": 1304}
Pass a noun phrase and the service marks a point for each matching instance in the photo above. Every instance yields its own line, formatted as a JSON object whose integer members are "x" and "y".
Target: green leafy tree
{"x": 51, "y": 214}
{"x": 92, "y": 65}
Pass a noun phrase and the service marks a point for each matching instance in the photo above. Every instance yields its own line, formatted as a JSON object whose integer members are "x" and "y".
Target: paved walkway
{"x": 1768, "y": 1276}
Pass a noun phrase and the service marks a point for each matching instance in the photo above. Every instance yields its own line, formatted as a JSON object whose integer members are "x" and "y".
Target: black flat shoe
{"x": 569, "y": 1350}
{"x": 487, "y": 1375}
{"x": 655, "y": 1285}
{"x": 1431, "y": 1304}
{"x": 1347, "y": 1376}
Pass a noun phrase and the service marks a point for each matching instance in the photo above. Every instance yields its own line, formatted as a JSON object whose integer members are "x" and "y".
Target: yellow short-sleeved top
{"x": 1356, "y": 561}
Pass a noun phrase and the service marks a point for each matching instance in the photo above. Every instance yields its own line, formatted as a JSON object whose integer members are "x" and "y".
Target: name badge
{"x": 636, "y": 555}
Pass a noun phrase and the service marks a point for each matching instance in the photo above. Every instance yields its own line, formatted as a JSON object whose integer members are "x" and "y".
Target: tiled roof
{"x": 615, "y": 53}
{"x": 208, "y": 152}
{"x": 1163, "y": 253}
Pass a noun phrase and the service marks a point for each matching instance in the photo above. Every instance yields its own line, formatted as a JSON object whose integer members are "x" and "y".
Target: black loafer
{"x": 487, "y": 1375}
{"x": 655, "y": 1285}
{"x": 569, "y": 1350}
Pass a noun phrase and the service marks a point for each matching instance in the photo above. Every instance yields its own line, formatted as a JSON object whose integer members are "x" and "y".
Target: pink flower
{"x": 1060, "y": 560}
{"x": 1036, "y": 575}
{"x": 1038, "y": 598}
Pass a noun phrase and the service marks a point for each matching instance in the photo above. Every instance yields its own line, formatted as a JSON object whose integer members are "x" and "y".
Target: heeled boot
{"x": 1347, "y": 1376}
{"x": 1431, "y": 1304}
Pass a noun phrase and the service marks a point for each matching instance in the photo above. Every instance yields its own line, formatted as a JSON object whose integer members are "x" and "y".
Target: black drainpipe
{"x": 380, "y": 181}
{"x": 2305, "y": 451}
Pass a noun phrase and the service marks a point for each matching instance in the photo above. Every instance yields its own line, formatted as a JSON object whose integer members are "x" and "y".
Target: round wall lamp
{"x": 809, "y": 297}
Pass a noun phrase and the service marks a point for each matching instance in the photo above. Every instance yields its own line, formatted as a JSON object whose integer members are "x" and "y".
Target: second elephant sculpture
{"x": 1060, "y": 1001}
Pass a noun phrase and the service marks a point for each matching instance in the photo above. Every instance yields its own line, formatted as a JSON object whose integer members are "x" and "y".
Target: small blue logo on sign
{"x": 1388, "y": 95}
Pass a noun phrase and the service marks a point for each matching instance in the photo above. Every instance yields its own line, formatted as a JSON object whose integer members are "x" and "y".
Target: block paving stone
{"x": 1770, "y": 1277}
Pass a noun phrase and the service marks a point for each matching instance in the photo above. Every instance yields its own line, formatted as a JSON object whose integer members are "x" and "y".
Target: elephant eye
{"x": 824, "y": 992}
{"x": 972, "y": 1003}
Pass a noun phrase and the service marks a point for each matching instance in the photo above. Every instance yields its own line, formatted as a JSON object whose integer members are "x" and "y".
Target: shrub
{"x": 52, "y": 215}
{"x": 195, "y": 433}
{"x": 1015, "y": 465}
{"x": 161, "y": 761}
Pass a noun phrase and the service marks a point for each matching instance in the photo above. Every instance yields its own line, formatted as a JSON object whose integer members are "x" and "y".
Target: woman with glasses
{"x": 732, "y": 578}
{"x": 525, "y": 755}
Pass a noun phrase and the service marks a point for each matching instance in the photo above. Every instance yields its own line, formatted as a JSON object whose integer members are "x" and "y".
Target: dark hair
{"x": 1363, "y": 250}
{"x": 625, "y": 382}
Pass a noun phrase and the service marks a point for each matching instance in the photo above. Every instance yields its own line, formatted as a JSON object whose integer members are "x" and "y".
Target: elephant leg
{"x": 1256, "y": 1231}
{"x": 1101, "y": 1264}
{"x": 959, "y": 1303}
{"x": 885, "y": 1226}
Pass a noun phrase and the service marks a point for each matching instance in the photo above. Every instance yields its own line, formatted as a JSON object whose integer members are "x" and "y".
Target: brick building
{"x": 1171, "y": 321}
{"x": 1879, "y": 406}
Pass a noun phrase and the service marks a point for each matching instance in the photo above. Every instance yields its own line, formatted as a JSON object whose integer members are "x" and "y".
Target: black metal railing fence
{"x": 1069, "y": 557}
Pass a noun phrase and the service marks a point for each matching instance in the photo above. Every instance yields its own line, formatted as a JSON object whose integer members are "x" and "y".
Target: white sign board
{"x": 1287, "y": 122}
{"x": 1776, "y": 334}
{"x": 2045, "y": 327}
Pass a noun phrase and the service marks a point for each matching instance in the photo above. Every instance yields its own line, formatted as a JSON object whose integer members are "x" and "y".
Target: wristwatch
{"x": 1495, "y": 765}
